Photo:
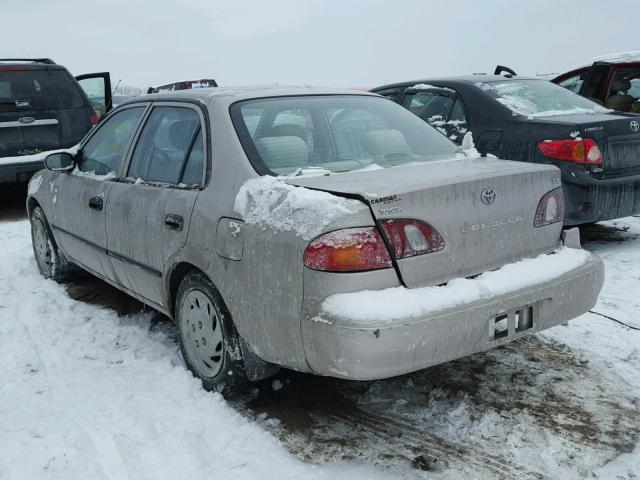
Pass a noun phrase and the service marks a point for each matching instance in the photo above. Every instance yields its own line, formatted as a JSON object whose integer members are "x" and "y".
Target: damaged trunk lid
{"x": 483, "y": 208}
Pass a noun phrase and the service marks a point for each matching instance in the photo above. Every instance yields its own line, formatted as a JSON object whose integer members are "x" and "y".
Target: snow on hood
{"x": 271, "y": 203}
{"x": 397, "y": 303}
{"x": 34, "y": 184}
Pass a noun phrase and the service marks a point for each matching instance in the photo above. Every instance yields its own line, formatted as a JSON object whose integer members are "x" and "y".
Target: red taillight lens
{"x": 550, "y": 208}
{"x": 94, "y": 119}
{"x": 348, "y": 250}
{"x": 583, "y": 151}
{"x": 412, "y": 237}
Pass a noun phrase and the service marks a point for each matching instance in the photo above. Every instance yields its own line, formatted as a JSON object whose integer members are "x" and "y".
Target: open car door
{"x": 97, "y": 86}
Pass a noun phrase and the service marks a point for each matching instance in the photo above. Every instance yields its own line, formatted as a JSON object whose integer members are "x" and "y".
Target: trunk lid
{"x": 617, "y": 135}
{"x": 448, "y": 195}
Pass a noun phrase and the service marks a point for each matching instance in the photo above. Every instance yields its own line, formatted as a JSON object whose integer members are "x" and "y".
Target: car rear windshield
{"x": 538, "y": 98}
{"x": 37, "y": 90}
{"x": 334, "y": 133}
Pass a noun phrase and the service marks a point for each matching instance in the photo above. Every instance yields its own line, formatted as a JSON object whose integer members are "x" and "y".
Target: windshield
{"x": 539, "y": 98}
{"x": 326, "y": 134}
{"x": 37, "y": 90}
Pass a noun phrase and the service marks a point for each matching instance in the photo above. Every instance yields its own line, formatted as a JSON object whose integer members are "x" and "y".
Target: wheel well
{"x": 177, "y": 274}
{"x": 31, "y": 204}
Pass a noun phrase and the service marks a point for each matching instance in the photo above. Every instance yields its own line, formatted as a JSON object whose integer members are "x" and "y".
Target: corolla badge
{"x": 488, "y": 196}
{"x": 26, "y": 120}
{"x": 635, "y": 125}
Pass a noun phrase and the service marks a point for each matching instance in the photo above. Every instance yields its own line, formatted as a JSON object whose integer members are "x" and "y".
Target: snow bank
{"x": 271, "y": 203}
{"x": 401, "y": 303}
{"x": 87, "y": 394}
{"x": 38, "y": 157}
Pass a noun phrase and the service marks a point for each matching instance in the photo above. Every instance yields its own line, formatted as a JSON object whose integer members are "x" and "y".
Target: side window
{"x": 195, "y": 163}
{"x": 433, "y": 106}
{"x": 573, "y": 83}
{"x": 456, "y": 126}
{"x": 415, "y": 101}
{"x": 105, "y": 150}
{"x": 393, "y": 94}
{"x": 457, "y": 113}
{"x": 165, "y": 144}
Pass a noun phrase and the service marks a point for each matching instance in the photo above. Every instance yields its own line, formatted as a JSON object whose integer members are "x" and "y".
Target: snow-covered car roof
{"x": 620, "y": 57}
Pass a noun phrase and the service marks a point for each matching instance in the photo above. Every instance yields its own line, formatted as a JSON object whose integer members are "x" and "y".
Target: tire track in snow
{"x": 407, "y": 441}
{"x": 107, "y": 452}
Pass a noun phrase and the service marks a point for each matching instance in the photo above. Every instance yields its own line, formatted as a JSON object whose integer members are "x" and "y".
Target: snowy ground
{"x": 90, "y": 387}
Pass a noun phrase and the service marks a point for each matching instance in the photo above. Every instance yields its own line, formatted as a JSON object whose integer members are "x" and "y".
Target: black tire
{"x": 50, "y": 260}
{"x": 220, "y": 370}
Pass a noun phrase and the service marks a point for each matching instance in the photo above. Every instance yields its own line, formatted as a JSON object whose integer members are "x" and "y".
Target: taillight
{"x": 550, "y": 208}
{"x": 94, "y": 119}
{"x": 583, "y": 151}
{"x": 412, "y": 237}
{"x": 348, "y": 250}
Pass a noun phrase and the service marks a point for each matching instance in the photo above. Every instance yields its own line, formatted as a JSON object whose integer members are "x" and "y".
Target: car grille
{"x": 622, "y": 155}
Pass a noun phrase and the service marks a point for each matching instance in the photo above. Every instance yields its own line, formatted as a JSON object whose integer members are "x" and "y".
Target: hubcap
{"x": 41, "y": 245}
{"x": 202, "y": 333}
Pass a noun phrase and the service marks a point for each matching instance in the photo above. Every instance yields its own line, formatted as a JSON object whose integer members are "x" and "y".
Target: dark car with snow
{"x": 42, "y": 108}
{"x": 321, "y": 230}
{"x": 611, "y": 80}
{"x": 533, "y": 120}
{"x": 184, "y": 85}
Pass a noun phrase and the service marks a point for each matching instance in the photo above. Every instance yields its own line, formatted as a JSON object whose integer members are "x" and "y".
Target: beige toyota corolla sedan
{"x": 326, "y": 231}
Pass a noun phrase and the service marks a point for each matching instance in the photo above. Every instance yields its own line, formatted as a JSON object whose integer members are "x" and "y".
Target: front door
{"x": 149, "y": 210}
{"x": 82, "y": 196}
{"x": 97, "y": 86}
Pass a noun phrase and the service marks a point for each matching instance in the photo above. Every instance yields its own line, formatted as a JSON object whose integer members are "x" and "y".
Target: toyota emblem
{"x": 488, "y": 196}
{"x": 26, "y": 120}
{"x": 635, "y": 125}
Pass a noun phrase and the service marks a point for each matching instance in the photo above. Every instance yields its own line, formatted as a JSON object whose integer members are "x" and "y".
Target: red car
{"x": 612, "y": 81}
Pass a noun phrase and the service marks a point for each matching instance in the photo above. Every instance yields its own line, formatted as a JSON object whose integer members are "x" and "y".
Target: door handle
{"x": 96, "y": 203}
{"x": 174, "y": 222}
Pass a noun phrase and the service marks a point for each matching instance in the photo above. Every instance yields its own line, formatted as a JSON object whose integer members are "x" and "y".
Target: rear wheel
{"x": 50, "y": 260}
{"x": 208, "y": 340}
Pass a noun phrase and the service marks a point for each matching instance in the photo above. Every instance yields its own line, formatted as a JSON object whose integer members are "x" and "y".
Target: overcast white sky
{"x": 322, "y": 42}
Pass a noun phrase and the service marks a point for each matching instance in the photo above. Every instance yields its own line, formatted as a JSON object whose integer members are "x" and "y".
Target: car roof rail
{"x": 32, "y": 60}
{"x": 501, "y": 68}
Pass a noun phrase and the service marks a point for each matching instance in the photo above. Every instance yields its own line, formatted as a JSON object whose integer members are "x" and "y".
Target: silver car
{"x": 321, "y": 230}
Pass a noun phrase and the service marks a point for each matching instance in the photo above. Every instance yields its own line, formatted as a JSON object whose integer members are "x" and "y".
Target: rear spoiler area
{"x": 500, "y": 69}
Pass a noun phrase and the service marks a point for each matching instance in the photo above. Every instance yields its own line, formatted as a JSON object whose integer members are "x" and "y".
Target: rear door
{"x": 82, "y": 195}
{"x": 150, "y": 209}
{"x": 97, "y": 86}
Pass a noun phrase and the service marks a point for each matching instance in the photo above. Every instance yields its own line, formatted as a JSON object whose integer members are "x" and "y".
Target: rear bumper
{"x": 19, "y": 172}
{"x": 589, "y": 200}
{"x": 339, "y": 347}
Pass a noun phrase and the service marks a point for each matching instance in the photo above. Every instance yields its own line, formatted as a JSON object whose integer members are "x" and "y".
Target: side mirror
{"x": 59, "y": 162}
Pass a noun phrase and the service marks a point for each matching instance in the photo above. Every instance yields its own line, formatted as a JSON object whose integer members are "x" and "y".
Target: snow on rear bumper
{"x": 454, "y": 323}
